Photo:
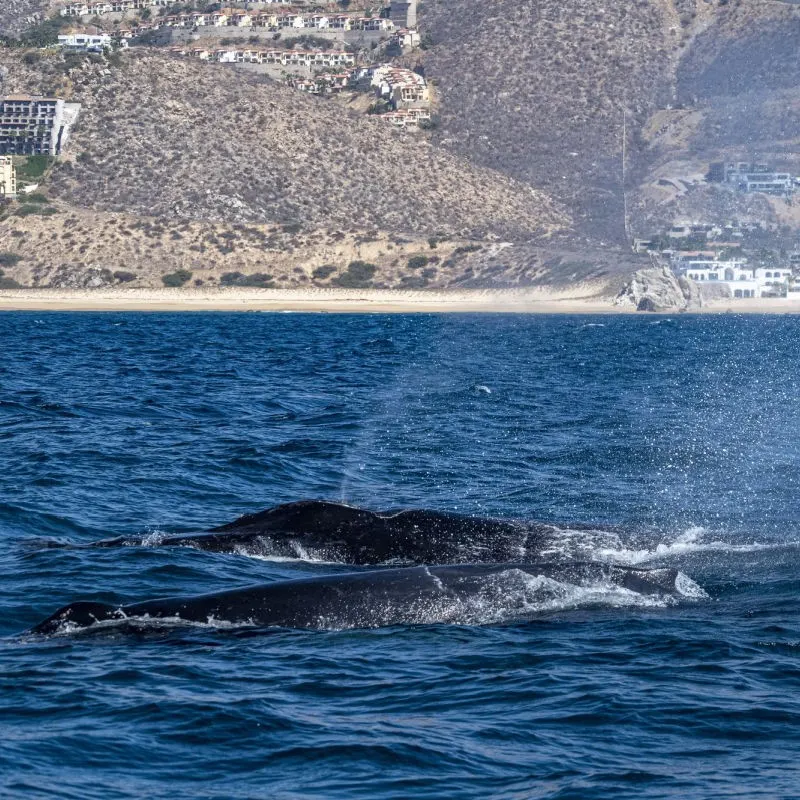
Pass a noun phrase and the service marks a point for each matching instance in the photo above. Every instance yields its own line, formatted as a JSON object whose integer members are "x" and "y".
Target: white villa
{"x": 84, "y": 41}
{"x": 743, "y": 281}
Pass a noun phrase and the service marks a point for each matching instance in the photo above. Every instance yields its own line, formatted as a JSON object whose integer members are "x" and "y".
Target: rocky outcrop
{"x": 659, "y": 289}
{"x": 16, "y": 15}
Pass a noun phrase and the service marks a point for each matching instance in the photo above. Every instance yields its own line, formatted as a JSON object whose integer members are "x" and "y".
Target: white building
{"x": 31, "y": 126}
{"x": 84, "y": 42}
{"x": 8, "y": 177}
{"x": 742, "y": 280}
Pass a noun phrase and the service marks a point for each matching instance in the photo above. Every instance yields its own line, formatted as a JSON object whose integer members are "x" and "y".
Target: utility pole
{"x": 625, "y": 217}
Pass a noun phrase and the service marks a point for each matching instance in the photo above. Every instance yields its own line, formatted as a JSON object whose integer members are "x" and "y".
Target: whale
{"x": 374, "y": 598}
{"x": 336, "y": 532}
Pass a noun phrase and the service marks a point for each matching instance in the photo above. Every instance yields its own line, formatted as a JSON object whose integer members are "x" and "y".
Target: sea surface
{"x": 676, "y": 440}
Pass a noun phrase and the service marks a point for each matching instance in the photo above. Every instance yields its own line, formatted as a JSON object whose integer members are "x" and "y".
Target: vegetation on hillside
{"x": 165, "y": 136}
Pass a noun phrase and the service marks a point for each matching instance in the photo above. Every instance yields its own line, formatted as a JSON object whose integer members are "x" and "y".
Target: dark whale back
{"x": 337, "y": 532}
{"x": 409, "y": 595}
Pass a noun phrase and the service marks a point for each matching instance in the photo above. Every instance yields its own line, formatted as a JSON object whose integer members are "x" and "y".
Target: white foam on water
{"x": 146, "y": 622}
{"x": 689, "y": 542}
{"x": 599, "y": 545}
{"x": 153, "y": 538}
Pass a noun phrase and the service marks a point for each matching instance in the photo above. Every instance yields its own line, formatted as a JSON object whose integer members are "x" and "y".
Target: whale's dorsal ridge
{"x": 298, "y": 512}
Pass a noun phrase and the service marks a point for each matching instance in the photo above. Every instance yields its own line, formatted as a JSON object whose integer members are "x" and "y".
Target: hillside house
{"x": 8, "y": 177}
{"x": 76, "y": 10}
{"x": 340, "y": 22}
{"x": 87, "y": 41}
{"x": 239, "y": 19}
{"x": 752, "y": 177}
{"x": 406, "y": 39}
{"x": 407, "y": 117}
{"x": 32, "y": 126}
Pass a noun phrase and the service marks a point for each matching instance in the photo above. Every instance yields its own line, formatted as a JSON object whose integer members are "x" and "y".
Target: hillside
{"x": 64, "y": 246}
{"x": 554, "y": 119}
{"x": 15, "y": 15}
{"x": 544, "y": 89}
{"x": 738, "y": 98}
{"x": 170, "y": 137}
{"x": 537, "y": 89}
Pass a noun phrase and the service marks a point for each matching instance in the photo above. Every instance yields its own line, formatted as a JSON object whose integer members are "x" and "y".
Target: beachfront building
{"x": 8, "y": 177}
{"x": 742, "y": 280}
{"x": 34, "y": 126}
{"x": 773, "y": 281}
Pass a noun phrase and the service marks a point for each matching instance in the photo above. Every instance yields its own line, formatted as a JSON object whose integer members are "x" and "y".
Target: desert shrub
{"x": 467, "y": 248}
{"x": 36, "y": 197}
{"x": 177, "y": 278}
{"x": 9, "y": 260}
{"x": 43, "y": 34}
{"x": 124, "y": 277}
{"x": 358, "y": 276}
{"x": 323, "y": 272}
{"x": 361, "y": 270}
{"x": 257, "y": 279}
{"x": 29, "y": 210}
{"x": 417, "y": 262}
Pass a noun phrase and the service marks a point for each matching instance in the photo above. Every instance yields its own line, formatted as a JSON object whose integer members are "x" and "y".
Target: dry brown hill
{"x": 176, "y": 138}
{"x": 543, "y": 89}
{"x": 16, "y": 15}
{"x": 738, "y": 98}
{"x": 537, "y": 88}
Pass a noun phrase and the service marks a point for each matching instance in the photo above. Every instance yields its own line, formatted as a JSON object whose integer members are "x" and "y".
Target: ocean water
{"x": 676, "y": 440}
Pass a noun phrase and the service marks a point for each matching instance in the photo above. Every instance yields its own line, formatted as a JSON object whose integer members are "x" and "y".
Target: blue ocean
{"x": 649, "y": 442}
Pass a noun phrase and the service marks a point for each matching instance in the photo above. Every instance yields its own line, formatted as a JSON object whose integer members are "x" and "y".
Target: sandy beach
{"x": 356, "y": 301}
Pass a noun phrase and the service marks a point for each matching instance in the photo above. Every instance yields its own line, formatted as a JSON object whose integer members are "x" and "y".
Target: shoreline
{"x": 355, "y": 301}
